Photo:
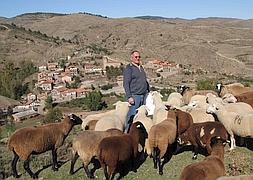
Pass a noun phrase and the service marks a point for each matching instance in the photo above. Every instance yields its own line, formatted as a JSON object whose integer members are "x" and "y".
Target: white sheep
{"x": 114, "y": 120}
{"x": 199, "y": 115}
{"x": 141, "y": 116}
{"x": 96, "y": 116}
{"x": 175, "y": 99}
{"x": 160, "y": 112}
{"x": 234, "y": 123}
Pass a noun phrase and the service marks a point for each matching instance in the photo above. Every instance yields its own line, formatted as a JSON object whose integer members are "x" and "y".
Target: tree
{"x": 49, "y": 103}
{"x": 53, "y": 115}
{"x": 93, "y": 101}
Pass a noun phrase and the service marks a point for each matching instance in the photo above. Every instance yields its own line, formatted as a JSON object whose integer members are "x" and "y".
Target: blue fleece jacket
{"x": 135, "y": 81}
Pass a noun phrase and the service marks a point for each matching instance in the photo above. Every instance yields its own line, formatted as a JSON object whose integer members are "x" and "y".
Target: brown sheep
{"x": 162, "y": 137}
{"x": 85, "y": 145}
{"x": 246, "y": 97}
{"x": 117, "y": 151}
{"x": 36, "y": 140}
{"x": 208, "y": 169}
{"x": 235, "y": 89}
{"x": 200, "y": 135}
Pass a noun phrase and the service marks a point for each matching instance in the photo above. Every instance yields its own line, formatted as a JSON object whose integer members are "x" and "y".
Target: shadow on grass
{"x": 246, "y": 142}
{"x": 60, "y": 163}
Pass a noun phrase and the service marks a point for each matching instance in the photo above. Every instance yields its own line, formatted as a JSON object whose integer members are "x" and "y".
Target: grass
{"x": 237, "y": 162}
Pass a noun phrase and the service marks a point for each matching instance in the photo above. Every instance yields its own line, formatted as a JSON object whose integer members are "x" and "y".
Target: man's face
{"x": 136, "y": 58}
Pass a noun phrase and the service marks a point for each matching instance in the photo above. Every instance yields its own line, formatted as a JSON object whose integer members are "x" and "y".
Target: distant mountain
{"x": 215, "y": 45}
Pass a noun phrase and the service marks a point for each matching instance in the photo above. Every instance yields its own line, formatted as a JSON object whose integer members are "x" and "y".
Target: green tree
{"x": 93, "y": 101}
{"x": 53, "y": 115}
{"x": 49, "y": 102}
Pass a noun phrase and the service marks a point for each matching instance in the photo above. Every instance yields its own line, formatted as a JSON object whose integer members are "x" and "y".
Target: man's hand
{"x": 131, "y": 100}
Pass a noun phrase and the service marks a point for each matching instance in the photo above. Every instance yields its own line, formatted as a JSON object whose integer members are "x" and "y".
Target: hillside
{"x": 213, "y": 44}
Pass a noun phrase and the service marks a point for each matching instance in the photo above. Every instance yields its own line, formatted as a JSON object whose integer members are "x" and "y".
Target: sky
{"x": 187, "y": 9}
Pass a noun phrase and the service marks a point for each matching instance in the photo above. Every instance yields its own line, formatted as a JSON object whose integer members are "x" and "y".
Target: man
{"x": 135, "y": 85}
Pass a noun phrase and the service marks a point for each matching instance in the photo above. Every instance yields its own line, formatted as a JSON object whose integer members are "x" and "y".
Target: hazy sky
{"x": 188, "y": 9}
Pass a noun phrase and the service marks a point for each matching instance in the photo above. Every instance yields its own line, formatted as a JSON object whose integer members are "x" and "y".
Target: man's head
{"x": 135, "y": 57}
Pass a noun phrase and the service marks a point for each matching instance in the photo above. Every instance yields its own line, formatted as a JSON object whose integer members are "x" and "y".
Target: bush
{"x": 206, "y": 85}
{"x": 53, "y": 115}
{"x": 93, "y": 101}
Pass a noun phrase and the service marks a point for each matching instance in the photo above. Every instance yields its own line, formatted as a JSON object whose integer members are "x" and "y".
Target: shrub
{"x": 53, "y": 115}
{"x": 206, "y": 84}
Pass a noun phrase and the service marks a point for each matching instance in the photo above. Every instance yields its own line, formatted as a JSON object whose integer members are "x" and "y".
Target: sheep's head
{"x": 212, "y": 109}
{"x": 219, "y": 87}
{"x": 229, "y": 98}
{"x": 75, "y": 119}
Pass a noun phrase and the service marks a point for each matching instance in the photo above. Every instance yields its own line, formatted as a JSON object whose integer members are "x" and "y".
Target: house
{"x": 18, "y": 117}
{"x": 81, "y": 92}
{"x": 107, "y": 61}
{"x": 42, "y": 68}
{"x": 52, "y": 66}
{"x": 72, "y": 70}
{"x": 66, "y": 78}
{"x": 46, "y": 85}
{"x": 91, "y": 68}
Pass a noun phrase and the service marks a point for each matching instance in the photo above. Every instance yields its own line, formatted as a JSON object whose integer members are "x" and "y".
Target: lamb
{"x": 162, "y": 137}
{"x": 118, "y": 150}
{"x": 85, "y": 145}
{"x": 200, "y": 135}
{"x": 187, "y": 93}
{"x": 141, "y": 116}
{"x": 208, "y": 169}
{"x": 235, "y": 123}
{"x": 114, "y": 120}
{"x": 234, "y": 89}
{"x": 36, "y": 140}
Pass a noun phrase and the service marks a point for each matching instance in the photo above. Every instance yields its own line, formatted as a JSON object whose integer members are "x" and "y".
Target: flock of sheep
{"x": 202, "y": 119}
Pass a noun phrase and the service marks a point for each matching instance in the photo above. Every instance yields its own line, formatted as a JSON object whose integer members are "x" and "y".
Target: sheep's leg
{"x": 54, "y": 157}
{"x": 28, "y": 170}
{"x": 73, "y": 161}
{"x": 14, "y": 165}
{"x": 160, "y": 166}
{"x": 232, "y": 139}
{"x": 155, "y": 157}
{"x": 111, "y": 172}
{"x": 106, "y": 173}
{"x": 86, "y": 169}
{"x": 96, "y": 165}
{"x": 195, "y": 155}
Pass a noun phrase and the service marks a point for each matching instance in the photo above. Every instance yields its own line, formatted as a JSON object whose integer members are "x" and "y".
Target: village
{"x": 55, "y": 79}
